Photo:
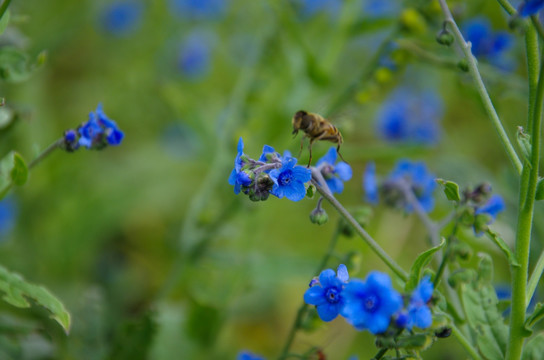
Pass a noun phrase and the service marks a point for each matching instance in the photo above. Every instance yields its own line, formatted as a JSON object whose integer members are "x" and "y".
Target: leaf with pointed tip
{"x": 13, "y": 171}
{"x": 421, "y": 261}
{"x": 451, "y": 189}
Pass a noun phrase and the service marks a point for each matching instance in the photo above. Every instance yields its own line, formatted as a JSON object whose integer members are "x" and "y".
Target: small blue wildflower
{"x": 326, "y": 294}
{"x": 530, "y": 7}
{"x": 122, "y": 17}
{"x": 114, "y": 136}
{"x": 289, "y": 180}
{"x": 486, "y": 43}
{"x": 199, "y": 9}
{"x": 369, "y": 304}
{"x": 370, "y": 184}
{"x": 418, "y": 312}
{"x": 410, "y": 116}
{"x": 334, "y": 174}
{"x": 267, "y": 152}
{"x": 237, "y": 177}
{"x": 309, "y": 8}
{"x": 246, "y": 355}
{"x": 194, "y": 55}
{"x": 492, "y": 207}
{"x": 381, "y": 8}
{"x": 90, "y": 132}
{"x": 98, "y": 132}
{"x": 71, "y": 140}
{"x": 420, "y": 181}
{"x": 8, "y": 214}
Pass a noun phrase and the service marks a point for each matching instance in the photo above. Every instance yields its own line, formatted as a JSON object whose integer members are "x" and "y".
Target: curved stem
{"x": 302, "y": 309}
{"x": 480, "y": 87}
{"x": 57, "y": 144}
{"x": 535, "y": 278}
{"x": 400, "y": 272}
{"x": 465, "y": 343}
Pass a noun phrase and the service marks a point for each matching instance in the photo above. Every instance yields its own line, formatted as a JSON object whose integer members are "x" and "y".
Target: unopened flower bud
{"x": 463, "y": 65}
{"x": 443, "y": 332}
{"x": 444, "y": 37}
{"x": 319, "y": 216}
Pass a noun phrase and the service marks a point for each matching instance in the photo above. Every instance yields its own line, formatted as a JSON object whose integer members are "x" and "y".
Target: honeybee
{"x": 315, "y": 127}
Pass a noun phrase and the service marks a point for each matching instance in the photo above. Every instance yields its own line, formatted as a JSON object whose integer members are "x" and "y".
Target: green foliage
{"x": 16, "y": 291}
{"x": 15, "y": 65}
{"x": 534, "y": 348}
{"x": 536, "y": 316}
{"x": 13, "y": 171}
{"x": 480, "y": 304}
{"x": 417, "y": 267}
{"x": 134, "y": 338}
{"x": 4, "y": 21}
{"x": 540, "y": 190}
{"x": 203, "y": 324}
{"x": 504, "y": 247}
{"x": 451, "y": 189}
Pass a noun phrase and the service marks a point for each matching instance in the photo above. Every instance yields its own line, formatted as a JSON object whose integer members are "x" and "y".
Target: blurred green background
{"x": 146, "y": 244}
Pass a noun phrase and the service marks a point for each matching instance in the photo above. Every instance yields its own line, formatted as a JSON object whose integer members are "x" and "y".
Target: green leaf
{"x": 6, "y": 117}
{"x": 15, "y": 65}
{"x": 4, "y": 21}
{"x": 451, "y": 189}
{"x": 504, "y": 247}
{"x": 540, "y": 190}
{"x": 534, "y": 348}
{"x": 421, "y": 261}
{"x": 536, "y": 316}
{"x": 13, "y": 171}
{"x": 16, "y": 291}
{"x": 480, "y": 304}
{"x": 370, "y": 24}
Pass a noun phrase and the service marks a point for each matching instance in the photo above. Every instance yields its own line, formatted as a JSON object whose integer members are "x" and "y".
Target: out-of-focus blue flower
{"x": 310, "y": 8}
{"x": 267, "y": 152}
{"x": 122, "y": 17}
{"x": 369, "y": 304}
{"x": 199, "y": 9}
{"x": 326, "y": 294}
{"x": 420, "y": 181}
{"x": 409, "y": 116}
{"x": 98, "y": 132}
{"x": 418, "y": 312}
{"x": 492, "y": 207}
{"x": 334, "y": 174}
{"x": 195, "y": 55}
{"x": 246, "y": 355}
{"x": 237, "y": 177}
{"x": 381, "y": 8}
{"x": 8, "y": 214}
{"x": 289, "y": 180}
{"x": 370, "y": 183}
{"x": 530, "y": 7}
{"x": 486, "y": 43}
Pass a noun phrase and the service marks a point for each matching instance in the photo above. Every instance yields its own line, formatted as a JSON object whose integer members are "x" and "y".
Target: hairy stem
{"x": 400, "y": 272}
{"x": 46, "y": 153}
{"x": 465, "y": 343}
{"x": 480, "y": 87}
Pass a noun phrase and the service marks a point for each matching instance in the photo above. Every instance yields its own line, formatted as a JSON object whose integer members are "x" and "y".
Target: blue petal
{"x": 327, "y": 311}
{"x": 335, "y": 185}
{"x": 232, "y": 177}
{"x": 370, "y": 185}
{"x": 531, "y": 7}
{"x": 493, "y": 206}
{"x": 266, "y": 150}
{"x": 378, "y": 279}
{"x": 295, "y": 191}
{"x": 378, "y": 324}
{"x": 327, "y": 277}
{"x": 329, "y": 157}
{"x": 240, "y": 146}
{"x": 422, "y": 317}
{"x": 315, "y": 296}
{"x": 424, "y": 290}
{"x": 342, "y": 273}
{"x": 302, "y": 174}
{"x": 237, "y": 188}
{"x": 343, "y": 170}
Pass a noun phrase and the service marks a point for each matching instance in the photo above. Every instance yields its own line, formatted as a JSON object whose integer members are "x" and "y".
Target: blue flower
{"x": 98, "y": 132}
{"x": 246, "y": 355}
{"x": 421, "y": 182}
{"x": 370, "y": 304}
{"x": 8, "y": 213}
{"x": 194, "y": 56}
{"x": 492, "y": 207}
{"x": 199, "y": 9}
{"x": 237, "y": 177}
{"x": 114, "y": 136}
{"x": 381, "y": 8}
{"x": 309, "y": 8}
{"x": 530, "y": 7}
{"x": 410, "y": 116}
{"x": 267, "y": 152}
{"x": 289, "y": 180}
{"x": 334, "y": 175}
{"x": 486, "y": 43}
{"x": 370, "y": 184}
{"x": 122, "y": 17}
{"x": 418, "y": 312}
{"x": 326, "y": 294}
{"x": 90, "y": 132}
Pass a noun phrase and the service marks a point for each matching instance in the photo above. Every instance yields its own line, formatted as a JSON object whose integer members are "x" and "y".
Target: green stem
{"x": 401, "y": 273}
{"x": 538, "y": 26}
{"x": 480, "y": 87}
{"x": 527, "y": 192}
{"x": 57, "y": 144}
{"x": 4, "y": 8}
{"x": 533, "y": 64}
{"x": 465, "y": 343}
{"x": 507, "y": 7}
{"x": 302, "y": 309}
{"x": 535, "y": 278}
{"x": 380, "y": 354}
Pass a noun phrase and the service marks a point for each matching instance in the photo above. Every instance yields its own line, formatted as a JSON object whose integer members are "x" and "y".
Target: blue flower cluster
{"x": 486, "y": 207}
{"x": 369, "y": 304}
{"x": 486, "y": 43}
{"x": 8, "y": 214}
{"x": 246, "y": 355}
{"x": 270, "y": 174}
{"x": 199, "y": 9}
{"x": 407, "y": 178}
{"x": 195, "y": 55}
{"x": 410, "y": 117}
{"x": 335, "y": 174}
{"x": 530, "y": 7}
{"x": 122, "y": 17}
{"x": 97, "y": 133}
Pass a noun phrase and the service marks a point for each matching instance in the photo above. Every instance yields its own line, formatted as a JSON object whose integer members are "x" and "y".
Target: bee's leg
{"x": 310, "y": 149}
{"x": 338, "y": 152}
{"x": 301, "y": 147}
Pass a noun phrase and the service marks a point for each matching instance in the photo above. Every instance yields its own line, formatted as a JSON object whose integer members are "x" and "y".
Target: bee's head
{"x": 297, "y": 120}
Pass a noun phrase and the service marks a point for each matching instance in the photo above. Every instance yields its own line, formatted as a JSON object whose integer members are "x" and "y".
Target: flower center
{"x": 285, "y": 178}
{"x": 371, "y": 303}
{"x": 332, "y": 295}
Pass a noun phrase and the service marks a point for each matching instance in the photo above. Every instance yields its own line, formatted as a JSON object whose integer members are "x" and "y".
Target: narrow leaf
{"x": 540, "y": 190}
{"x": 16, "y": 291}
{"x": 536, "y": 316}
{"x": 13, "y": 171}
{"x": 451, "y": 189}
{"x": 4, "y": 21}
{"x": 421, "y": 261}
{"x": 504, "y": 247}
